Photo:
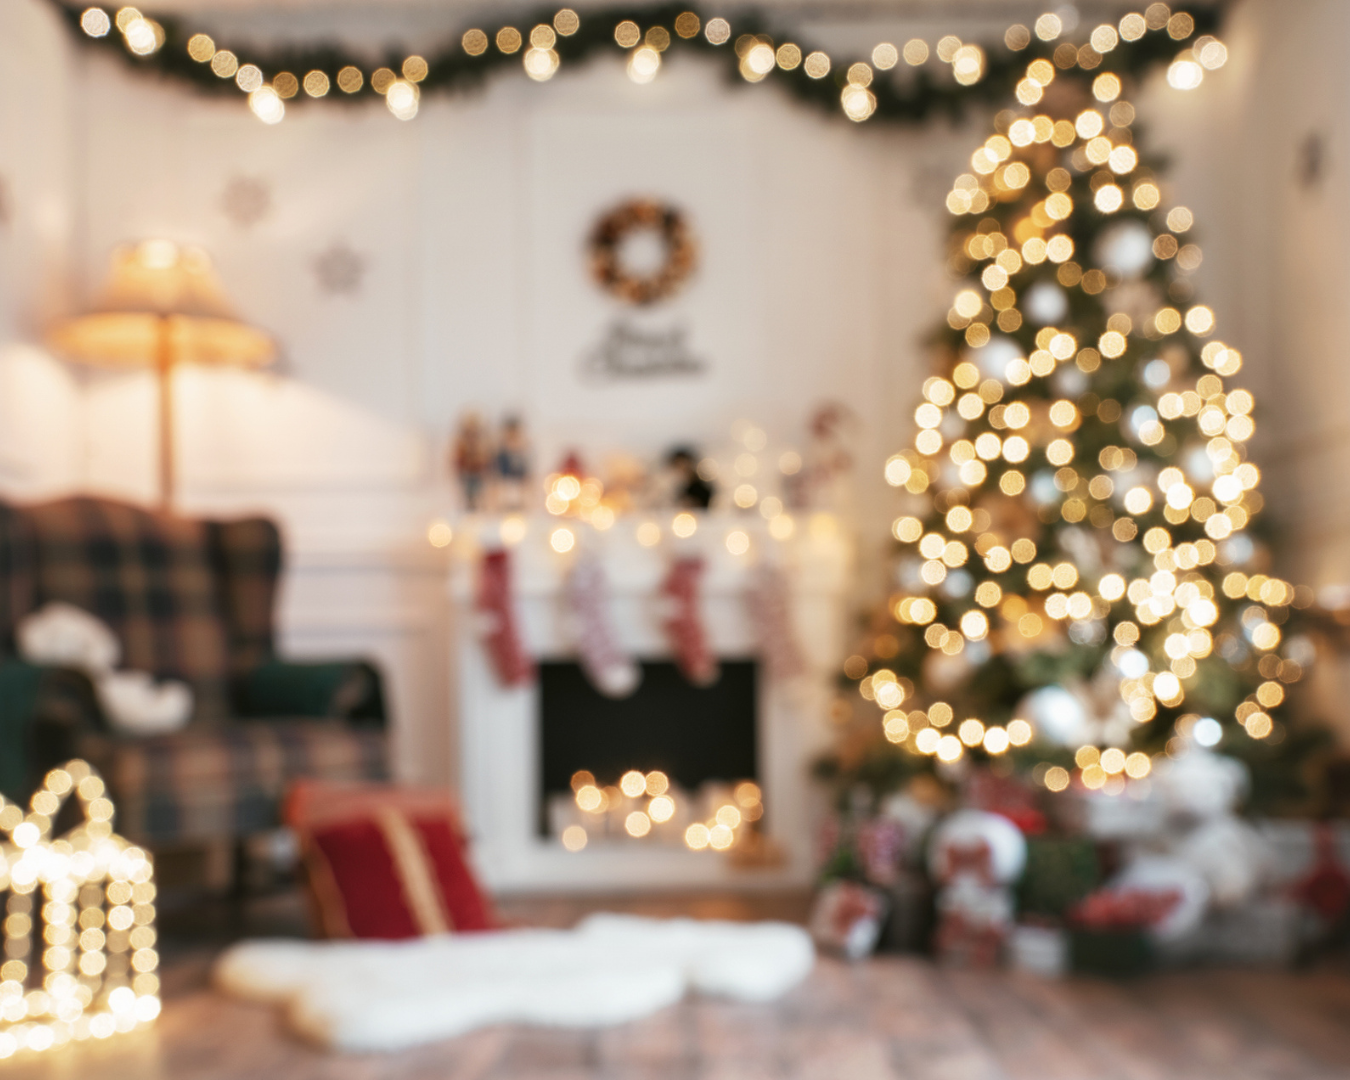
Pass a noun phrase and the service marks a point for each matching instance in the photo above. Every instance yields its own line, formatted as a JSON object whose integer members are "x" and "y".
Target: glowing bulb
{"x": 1185, "y": 74}
{"x": 267, "y": 105}
{"x": 644, "y": 63}
{"x": 95, "y": 22}
{"x": 401, "y": 99}
{"x": 574, "y": 838}
{"x": 589, "y": 797}
{"x": 1207, "y": 731}
{"x": 562, "y": 540}
{"x": 439, "y": 534}
{"x": 633, "y": 783}
{"x": 996, "y": 740}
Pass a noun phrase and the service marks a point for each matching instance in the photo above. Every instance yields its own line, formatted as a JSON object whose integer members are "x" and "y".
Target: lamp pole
{"x": 164, "y": 371}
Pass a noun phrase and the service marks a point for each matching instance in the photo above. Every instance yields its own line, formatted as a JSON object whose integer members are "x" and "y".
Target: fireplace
{"x": 694, "y": 735}
{"x": 518, "y": 747}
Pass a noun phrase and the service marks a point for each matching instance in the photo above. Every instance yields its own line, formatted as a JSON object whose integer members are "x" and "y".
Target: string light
{"x": 1019, "y": 579}
{"x": 756, "y": 57}
{"x": 646, "y": 806}
{"x": 88, "y": 898}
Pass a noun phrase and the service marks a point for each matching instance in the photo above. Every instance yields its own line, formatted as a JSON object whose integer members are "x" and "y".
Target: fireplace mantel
{"x": 498, "y": 727}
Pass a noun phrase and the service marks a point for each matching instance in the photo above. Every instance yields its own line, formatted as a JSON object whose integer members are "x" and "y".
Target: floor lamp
{"x": 162, "y": 306}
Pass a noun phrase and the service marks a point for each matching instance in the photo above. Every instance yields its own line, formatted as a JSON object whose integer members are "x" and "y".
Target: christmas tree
{"x": 1077, "y": 585}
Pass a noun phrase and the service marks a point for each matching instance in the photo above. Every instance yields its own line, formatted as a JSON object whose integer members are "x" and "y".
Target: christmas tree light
{"x": 1073, "y": 568}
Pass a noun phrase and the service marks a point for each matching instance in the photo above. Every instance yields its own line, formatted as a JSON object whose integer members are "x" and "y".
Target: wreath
{"x": 606, "y": 243}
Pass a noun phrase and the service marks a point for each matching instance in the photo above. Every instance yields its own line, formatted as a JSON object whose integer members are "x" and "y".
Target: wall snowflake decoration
{"x": 247, "y": 200}
{"x": 340, "y": 270}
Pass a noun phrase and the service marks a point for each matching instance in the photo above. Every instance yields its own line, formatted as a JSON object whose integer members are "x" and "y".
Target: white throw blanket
{"x": 379, "y": 995}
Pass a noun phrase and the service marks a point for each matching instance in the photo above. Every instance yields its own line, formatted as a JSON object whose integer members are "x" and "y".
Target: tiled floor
{"x": 893, "y": 1018}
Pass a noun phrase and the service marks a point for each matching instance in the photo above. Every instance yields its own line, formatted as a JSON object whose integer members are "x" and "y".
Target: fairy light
{"x": 1183, "y": 609}
{"x": 88, "y": 897}
{"x": 647, "y": 807}
{"x": 757, "y": 57}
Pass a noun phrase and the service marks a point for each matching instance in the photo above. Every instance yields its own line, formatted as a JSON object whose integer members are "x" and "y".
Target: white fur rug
{"x": 377, "y": 995}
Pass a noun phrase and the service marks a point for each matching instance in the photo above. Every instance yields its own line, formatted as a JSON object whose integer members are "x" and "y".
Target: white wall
{"x": 470, "y": 223}
{"x": 1275, "y": 248}
{"x": 1275, "y": 243}
{"x": 40, "y": 406}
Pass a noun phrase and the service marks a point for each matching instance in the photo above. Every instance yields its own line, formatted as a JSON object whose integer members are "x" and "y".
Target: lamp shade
{"x": 162, "y": 306}
{"x": 161, "y": 302}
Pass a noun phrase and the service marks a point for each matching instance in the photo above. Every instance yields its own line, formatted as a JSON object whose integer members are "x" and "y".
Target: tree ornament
{"x": 501, "y": 635}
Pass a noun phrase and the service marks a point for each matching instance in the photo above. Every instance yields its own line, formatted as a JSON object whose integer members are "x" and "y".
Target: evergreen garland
{"x": 904, "y": 95}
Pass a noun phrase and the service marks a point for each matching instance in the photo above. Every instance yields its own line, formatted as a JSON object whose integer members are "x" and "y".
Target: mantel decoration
{"x": 616, "y": 277}
{"x": 79, "y": 960}
{"x": 908, "y": 83}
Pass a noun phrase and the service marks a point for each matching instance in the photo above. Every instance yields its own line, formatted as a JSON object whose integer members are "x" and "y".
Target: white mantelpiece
{"x": 499, "y": 728}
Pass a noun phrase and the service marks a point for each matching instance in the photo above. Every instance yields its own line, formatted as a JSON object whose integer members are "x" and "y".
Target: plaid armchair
{"x": 191, "y": 600}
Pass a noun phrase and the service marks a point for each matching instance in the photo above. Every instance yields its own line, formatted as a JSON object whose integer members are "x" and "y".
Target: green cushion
{"x": 346, "y": 689}
{"x": 19, "y": 686}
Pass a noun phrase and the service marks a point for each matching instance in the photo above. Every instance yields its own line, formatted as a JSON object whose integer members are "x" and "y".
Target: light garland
{"x": 88, "y": 899}
{"x": 858, "y": 91}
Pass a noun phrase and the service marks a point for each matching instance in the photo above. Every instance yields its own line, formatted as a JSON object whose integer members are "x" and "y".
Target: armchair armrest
{"x": 344, "y": 689}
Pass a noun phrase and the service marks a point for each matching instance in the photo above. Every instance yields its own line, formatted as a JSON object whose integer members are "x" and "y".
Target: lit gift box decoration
{"x": 79, "y": 953}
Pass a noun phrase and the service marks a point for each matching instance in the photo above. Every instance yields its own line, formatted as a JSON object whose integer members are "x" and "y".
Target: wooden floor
{"x": 892, "y": 1017}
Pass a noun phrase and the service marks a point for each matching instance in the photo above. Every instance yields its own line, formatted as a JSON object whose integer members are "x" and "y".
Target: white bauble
{"x": 1201, "y": 784}
{"x": 967, "y": 828}
{"x": 1045, "y": 304}
{"x": 1233, "y": 857}
{"x": 1056, "y": 715}
{"x": 996, "y": 355}
{"x": 1126, "y": 249}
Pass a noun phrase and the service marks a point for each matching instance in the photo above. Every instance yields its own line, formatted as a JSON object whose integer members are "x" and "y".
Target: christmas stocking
{"x": 501, "y": 637}
{"x": 610, "y": 670}
{"x": 770, "y": 608}
{"x": 684, "y": 626}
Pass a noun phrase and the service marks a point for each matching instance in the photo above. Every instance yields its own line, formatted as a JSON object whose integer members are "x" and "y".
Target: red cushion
{"x": 388, "y": 867}
{"x": 459, "y": 888}
{"x": 362, "y": 895}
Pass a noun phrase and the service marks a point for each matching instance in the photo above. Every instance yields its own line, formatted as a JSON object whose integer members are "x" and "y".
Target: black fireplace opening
{"x": 694, "y": 734}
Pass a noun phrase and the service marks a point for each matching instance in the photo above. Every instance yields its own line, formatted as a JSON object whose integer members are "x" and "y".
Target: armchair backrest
{"x": 187, "y": 598}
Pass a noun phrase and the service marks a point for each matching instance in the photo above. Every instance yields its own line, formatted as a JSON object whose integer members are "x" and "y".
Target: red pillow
{"x": 384, "y": 865}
